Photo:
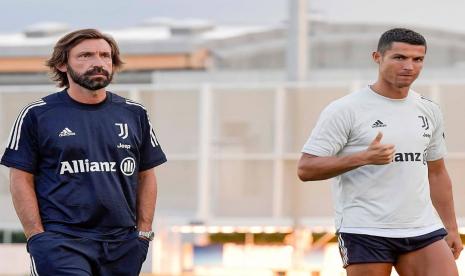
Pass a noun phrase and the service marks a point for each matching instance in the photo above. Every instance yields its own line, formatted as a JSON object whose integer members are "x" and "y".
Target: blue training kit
{"x": 59, "y": 254}
{"x": 85, "y": 159}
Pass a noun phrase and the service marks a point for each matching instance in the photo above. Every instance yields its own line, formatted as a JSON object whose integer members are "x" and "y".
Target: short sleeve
{"x": 437, "y": 146}
{"x": 331, "y": 132}
{"x": 151, "y": 154}
{"x": 21, "y": 150}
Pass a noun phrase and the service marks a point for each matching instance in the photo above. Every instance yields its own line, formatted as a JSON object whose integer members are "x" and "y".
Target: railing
{"x": 232, "y": 148}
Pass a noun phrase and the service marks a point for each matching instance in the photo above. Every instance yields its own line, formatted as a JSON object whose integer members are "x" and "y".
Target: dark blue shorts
{"x": 60, "y": 254}
{"x": 359, "y": 248}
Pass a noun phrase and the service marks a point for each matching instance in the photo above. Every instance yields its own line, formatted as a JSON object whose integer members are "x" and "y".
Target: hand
{"x": 380, "y": 154}
{"x": 454, "y": 242}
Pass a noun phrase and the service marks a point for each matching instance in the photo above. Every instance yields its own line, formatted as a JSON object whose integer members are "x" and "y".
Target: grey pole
{"x": 297, "y": 66}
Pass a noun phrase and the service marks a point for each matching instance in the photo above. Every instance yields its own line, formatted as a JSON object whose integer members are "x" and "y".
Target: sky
{"x": 113, "y": 14}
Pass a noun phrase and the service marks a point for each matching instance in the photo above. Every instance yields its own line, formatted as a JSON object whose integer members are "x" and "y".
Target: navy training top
{"x": 85, "y": 159}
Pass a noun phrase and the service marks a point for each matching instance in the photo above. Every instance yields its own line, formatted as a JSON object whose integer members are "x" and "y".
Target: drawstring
{"x": 105, "y": 249}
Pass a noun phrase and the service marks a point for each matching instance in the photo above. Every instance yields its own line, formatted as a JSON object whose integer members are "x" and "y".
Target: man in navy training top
{"x": 82, "y": 167}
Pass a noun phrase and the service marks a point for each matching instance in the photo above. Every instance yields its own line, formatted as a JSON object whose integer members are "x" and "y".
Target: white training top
{"x": 395, "y": 196}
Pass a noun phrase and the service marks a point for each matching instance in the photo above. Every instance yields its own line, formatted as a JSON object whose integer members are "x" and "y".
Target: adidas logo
{"x": 66, "y": 132}
{"x": 378, "y": 123}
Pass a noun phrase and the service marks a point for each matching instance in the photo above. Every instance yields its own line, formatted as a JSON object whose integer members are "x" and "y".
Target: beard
{"x": 85, "y": 80}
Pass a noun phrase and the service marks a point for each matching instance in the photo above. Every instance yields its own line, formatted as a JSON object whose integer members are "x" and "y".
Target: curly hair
{"x": 67, "y": 42}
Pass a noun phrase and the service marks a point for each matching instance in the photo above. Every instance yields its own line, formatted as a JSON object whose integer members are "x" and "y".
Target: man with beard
{"x": 82, "y": 167}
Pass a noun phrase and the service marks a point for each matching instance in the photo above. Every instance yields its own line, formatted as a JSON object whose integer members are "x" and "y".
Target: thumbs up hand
{"x": 378, "y": 153}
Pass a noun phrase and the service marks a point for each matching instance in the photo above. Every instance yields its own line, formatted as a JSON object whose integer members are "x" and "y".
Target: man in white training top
{"x": 385, "y": 146}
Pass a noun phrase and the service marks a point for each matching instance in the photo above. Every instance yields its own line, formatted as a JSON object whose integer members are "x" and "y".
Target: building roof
{"x": 157, "y": 44}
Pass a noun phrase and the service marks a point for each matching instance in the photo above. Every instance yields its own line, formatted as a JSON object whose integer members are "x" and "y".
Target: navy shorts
{"x": 60, "y": 254}
{"x": 359, "y": 248}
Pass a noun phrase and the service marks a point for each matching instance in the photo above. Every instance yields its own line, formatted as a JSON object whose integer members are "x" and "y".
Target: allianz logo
{"x": 127, "y": 166}
{"x": 410, "y": 157}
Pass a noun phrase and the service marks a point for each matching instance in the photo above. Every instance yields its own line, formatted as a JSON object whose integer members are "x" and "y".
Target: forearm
{"x": 25, "y": 202}
{"x": 320, "y": 168}
{"x": 146, "y": 199}
{"x": 442, "y": 198}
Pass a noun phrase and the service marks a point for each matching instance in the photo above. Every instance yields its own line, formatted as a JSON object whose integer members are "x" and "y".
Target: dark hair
{"x": 399, "y": 35}
{"x": 66, "y": 43}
